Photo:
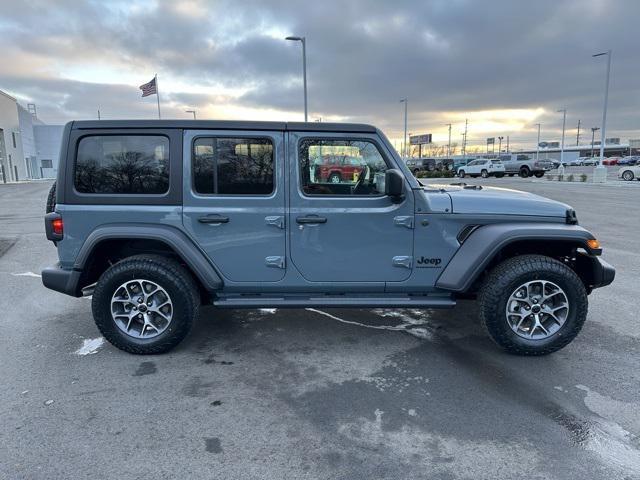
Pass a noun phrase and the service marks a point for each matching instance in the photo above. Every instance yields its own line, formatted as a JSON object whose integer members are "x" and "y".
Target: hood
{"x": 499, "y": 201}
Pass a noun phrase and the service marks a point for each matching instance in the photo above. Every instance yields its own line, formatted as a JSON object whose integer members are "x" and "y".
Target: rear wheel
{"x": 525, "y": 172}
{"x": 484, "y": 174}
{"x": 335, "y": 178}
{"x": 627, "y": 175}
{"x": 145, "y": 304}
{"x": 532, "y": 305}
{"x": 461, "y": 173}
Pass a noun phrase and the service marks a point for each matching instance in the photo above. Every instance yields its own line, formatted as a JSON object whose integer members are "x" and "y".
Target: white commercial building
{"x": 29, "y": 149}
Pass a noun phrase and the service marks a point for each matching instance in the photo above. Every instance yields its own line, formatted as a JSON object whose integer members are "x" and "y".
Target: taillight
{"x": 57, "y": 225}
{"x": 54, "y": 226}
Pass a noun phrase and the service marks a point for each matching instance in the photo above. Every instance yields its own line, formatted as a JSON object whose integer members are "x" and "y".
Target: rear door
{"x": 234, "y": 201}
{"x": 348, "y": 231}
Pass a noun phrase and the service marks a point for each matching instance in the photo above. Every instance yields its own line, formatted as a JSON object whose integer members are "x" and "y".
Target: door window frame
{"x": 245, "y": 136}
{"x": 324, "y": 137}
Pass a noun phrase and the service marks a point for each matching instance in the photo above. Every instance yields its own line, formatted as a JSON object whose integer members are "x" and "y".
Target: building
{"x": 29, "y": 149}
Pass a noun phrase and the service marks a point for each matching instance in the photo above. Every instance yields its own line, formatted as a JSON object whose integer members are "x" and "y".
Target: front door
{"x": 234, "y": 201}
{"x": 346, "y": 230}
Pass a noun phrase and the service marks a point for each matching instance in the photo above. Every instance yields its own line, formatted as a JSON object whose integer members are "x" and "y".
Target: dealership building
{"x": 29, "y": 148}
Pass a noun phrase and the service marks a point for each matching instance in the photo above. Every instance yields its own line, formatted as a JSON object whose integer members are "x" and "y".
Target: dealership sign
{"x": 420, "y": 139}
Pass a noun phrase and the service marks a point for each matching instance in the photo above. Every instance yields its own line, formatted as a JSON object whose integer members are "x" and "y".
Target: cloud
{"x": 229, "y": 58}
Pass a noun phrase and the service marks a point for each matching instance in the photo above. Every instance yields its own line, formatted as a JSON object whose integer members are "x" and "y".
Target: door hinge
{"x": 404, "y": 221}
{"x": 275, "y": 220}
{"x": 275, "y": 262}
{"x": 403, "y": 261}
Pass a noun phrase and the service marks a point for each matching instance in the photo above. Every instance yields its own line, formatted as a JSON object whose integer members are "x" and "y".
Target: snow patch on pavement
{"x": 90, "y": 346}
{"x": 27, "y": 274}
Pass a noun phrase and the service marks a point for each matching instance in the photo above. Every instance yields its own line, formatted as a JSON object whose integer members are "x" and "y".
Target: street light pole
{"x": 193, "y": 112}
{"x": 404, "y": 100}
{"x": 538, "y": 144}
{"x": 449, "y": 146}
{"x": 593, "y": 134}
{"x": 600, "y": 172}
{"x": 564, "y": 123}
{"x": 303, "y": 40}
{"x": 500, "y": 145}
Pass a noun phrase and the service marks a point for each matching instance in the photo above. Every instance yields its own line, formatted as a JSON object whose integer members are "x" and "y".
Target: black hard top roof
{"x": 226, "y": 125}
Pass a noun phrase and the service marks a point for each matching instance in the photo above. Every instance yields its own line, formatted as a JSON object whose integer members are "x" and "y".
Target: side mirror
{"x": 394, "y": 183}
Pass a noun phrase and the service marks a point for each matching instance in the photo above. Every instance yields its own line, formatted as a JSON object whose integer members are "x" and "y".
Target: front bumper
{"x": 62, "y": 280}
{"x": 603, "y": 273}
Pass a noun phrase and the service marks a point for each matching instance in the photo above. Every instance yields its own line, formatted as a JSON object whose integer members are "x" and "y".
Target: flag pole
{"x": 157, "y": 95}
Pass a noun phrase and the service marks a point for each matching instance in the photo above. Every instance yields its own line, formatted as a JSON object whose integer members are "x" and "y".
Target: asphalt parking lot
{"x": 318, "y": 394}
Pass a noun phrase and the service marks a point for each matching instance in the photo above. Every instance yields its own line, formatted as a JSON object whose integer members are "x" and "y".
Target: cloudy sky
{"x": 503, "y": 64}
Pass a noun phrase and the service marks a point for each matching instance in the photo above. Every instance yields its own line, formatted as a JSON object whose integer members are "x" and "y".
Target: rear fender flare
{"x": 182, "y": 245}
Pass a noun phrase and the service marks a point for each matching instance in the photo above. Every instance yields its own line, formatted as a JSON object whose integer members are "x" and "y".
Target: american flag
{"x": 149, "y": 88}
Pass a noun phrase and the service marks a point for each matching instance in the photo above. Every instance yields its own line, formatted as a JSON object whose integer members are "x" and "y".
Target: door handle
{"x": 311, "y": 219}
{"x": 215, "y": 219}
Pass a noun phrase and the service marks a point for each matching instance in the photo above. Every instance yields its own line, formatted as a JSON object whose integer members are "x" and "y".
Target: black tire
{"x": 539, "y": 174}
{"x": 627, "y": 175}
{"x": 167, "y": 273}
{"x": 525, "y": 172}
{"x": 484, "y": 174}
{"x": 335, "y": 178}
{"x": 461, "y": 173}
{"x": 415, "y": 172}
{"x": 51, "y": 199}
{"x": 505, "y": 279}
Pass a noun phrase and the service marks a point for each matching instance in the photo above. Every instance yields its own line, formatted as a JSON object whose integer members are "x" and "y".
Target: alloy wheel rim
{"x": 141, "y": 309}
{"x": 536, "y": 310}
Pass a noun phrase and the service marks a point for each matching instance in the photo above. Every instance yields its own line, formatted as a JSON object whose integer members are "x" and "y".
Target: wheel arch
{"x": 111, "y": 243}
{"x": 490, "y": 244}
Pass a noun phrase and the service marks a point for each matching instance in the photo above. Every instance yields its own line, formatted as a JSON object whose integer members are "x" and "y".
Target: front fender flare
{"x": 485, "y": 242}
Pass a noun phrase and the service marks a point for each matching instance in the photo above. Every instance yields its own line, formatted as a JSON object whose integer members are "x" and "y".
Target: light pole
{"x": 600, "y": 172}
{"x": 303, "y": 40}
{"x": 500, "y": 145}
{"x": 404, "y": 144}
{"x": 593, "y": 134}
{"x": 449, "y": 146}
{"x": 564, "y": 123}
{"x": 193, "y": 112}
{"x": 538, "y": 144}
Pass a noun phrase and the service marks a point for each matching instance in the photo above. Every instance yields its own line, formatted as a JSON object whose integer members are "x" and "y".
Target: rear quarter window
{"x": 122, "y": 164}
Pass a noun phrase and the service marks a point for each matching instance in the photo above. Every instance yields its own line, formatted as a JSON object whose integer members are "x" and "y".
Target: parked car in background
{"x": 629, "y": 172}
{"x": 632, "y": 160}
{"x": 338, "y": 169}
{"x": 524, "y": 165}
{"x": 576, "y": 162}
{"x": 482, "y": 167}
{"x": 610, "y": 161}
{"x": 590, "y": 160}
{"x": 429, "y": 164}
{"x": 421, "y": 164}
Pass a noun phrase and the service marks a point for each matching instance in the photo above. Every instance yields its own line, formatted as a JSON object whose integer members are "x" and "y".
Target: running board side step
{"x": 338, "y": 301}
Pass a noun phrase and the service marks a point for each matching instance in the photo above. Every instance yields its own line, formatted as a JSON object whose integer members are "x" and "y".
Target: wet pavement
{"x": 317, "y": 393}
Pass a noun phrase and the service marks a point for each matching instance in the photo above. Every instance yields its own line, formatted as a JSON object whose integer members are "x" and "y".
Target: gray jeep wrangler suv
{"x": 155, "y": 218}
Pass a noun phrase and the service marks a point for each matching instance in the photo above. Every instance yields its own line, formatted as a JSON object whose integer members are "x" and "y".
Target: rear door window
{"x": 233, "y": 166}
{"x": 122, "y": 164}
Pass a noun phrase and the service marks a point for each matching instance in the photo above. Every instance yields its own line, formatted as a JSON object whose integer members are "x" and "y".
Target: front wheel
{"x": 524, "y": 172}
{"x": 461, "y": 173}
{"x": 532, "y": 305}
{"x": 539, "y": 174}
{"x": 627, "y": 175}
{"x": 484, "y": 174}
{"x": 335, "y": 178}
{"x": 145, "y": 304}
